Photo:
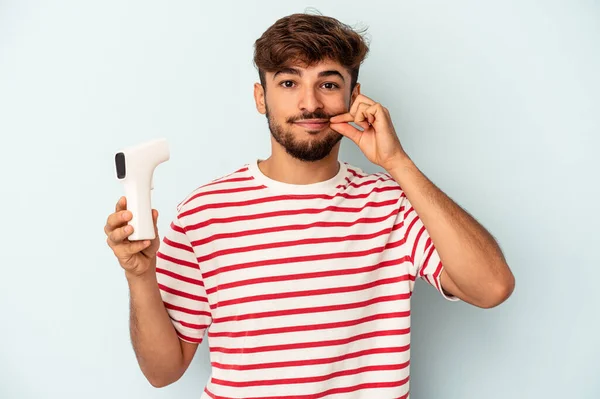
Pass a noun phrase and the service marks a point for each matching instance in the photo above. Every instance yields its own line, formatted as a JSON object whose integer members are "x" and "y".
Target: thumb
{"x": 347, "y": 130}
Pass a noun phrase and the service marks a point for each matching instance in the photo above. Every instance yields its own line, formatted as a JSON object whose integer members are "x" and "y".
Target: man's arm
{"x": 161, "y": 355}
{"x": 474, "y": 267}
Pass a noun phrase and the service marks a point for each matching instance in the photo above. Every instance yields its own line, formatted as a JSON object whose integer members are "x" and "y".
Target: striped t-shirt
{"x": 303, "y": 290}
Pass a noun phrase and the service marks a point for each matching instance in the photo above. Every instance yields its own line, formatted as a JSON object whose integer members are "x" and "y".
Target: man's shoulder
{"x": 227, "y": 184}
{"x": 359, "y": 177}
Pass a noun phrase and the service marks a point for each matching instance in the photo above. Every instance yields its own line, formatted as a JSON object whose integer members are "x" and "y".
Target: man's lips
{"x": 312, "y": 124}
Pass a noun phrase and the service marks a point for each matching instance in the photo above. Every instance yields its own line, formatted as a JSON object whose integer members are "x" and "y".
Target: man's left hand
{"x": 378, "y": 141}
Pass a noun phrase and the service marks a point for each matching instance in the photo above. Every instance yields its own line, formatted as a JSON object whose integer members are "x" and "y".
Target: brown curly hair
{"x": 308, "y": 39}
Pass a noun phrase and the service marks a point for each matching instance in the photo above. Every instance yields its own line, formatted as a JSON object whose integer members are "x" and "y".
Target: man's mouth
{"x": 313, "y": 124}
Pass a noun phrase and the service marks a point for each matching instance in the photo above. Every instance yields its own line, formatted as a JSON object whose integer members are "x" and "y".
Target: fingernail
{"x": 128, "y": 229}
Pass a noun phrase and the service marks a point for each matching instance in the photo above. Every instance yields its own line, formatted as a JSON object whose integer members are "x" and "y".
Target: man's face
{"x": 298, "y": 104}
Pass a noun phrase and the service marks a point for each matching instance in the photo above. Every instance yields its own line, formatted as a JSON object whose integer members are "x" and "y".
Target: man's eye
{"x": 330, "y": 85}
{"x": 287, "y": 83}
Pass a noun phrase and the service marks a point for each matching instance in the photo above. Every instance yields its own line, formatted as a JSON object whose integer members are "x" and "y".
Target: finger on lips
{"x": 362, "y": 112}
{"x": 358, "y": 112}
{"x": 342, "y": 118}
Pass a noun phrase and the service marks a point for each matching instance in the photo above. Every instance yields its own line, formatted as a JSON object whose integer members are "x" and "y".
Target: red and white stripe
{"x": 301, "y": 294}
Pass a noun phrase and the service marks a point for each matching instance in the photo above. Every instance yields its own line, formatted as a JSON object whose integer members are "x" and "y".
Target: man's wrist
{"x": 146, "y": 278}
{"x": 400, "y": 167}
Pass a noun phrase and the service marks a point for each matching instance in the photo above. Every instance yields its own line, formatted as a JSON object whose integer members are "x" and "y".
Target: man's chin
{"x": 306, "y": 144}
{"x": 301, "y": 131}
{"x": 319, "y": 139}
{"x": 308, "y": 156}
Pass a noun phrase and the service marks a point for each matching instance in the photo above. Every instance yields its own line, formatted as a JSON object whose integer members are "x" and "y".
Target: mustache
{"x": 319, "y": 114}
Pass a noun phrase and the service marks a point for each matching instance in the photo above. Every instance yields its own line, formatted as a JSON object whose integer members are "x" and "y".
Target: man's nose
{"x": 310, "y": 100}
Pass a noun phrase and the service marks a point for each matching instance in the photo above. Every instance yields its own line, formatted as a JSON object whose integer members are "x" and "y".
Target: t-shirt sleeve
{"x": 181, "y": 286}
{"x": 424, "y": 257}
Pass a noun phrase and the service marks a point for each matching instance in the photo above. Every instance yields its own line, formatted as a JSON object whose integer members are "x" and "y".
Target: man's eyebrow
{"x": 332, "y": 72}
{"x": 295, "y": 71}
{"x": 288, "y": 71}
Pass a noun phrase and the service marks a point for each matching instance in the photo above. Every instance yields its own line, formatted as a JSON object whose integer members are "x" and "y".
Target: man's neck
{"x": 281, "y": 166}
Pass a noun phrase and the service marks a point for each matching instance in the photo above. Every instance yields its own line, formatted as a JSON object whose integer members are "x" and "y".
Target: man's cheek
{"x": 338, "y": 111}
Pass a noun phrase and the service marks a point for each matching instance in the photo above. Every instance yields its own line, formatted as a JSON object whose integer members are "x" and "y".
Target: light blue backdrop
{"x": 498, "y": 102}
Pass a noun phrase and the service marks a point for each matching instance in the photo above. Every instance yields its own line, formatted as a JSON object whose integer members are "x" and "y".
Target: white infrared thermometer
{"x": 135, "y": 169}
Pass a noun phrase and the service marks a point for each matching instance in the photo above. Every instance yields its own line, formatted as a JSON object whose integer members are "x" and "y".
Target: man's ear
{"x": 259, "y": 98}
{"x": 355, "y": 93}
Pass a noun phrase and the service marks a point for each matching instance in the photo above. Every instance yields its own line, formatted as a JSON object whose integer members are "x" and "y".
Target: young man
{"x": 299, "y": 267}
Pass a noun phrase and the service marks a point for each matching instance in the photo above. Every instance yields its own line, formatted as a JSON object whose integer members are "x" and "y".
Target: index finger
{"x": 116, "y": 220}
{"x": 347, "y": 117}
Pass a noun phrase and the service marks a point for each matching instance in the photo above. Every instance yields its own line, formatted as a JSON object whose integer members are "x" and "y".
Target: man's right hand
{"x": 135, "y": 257}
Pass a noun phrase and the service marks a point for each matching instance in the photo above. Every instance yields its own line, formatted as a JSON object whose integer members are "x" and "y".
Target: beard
{"x": 313, "y": 149}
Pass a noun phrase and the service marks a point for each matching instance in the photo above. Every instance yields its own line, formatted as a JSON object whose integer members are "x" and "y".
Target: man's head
{"x": 308, "y": 67}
